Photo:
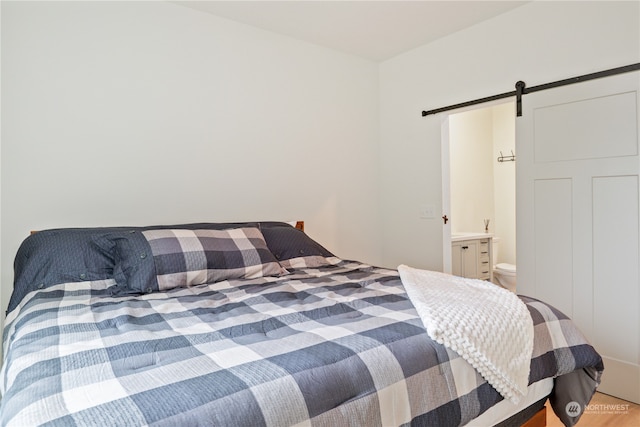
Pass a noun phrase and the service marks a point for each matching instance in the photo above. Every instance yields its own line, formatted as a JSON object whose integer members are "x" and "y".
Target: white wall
{"x": 504, "y": 181}
{"x": 131, "y": 113}
{"x": 537, "y": 43}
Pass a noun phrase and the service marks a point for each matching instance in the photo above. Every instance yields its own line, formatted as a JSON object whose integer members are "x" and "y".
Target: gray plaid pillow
{"x": 193, "y": 257}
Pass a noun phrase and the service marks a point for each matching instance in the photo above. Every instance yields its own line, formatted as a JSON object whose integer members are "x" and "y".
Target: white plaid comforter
{"x": 338, "y": 345}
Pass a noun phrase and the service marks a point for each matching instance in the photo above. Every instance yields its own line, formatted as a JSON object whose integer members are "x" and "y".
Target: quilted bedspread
{"x": 336, "y": 345}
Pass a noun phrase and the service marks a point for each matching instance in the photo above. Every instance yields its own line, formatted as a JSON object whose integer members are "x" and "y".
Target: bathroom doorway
{"x": 479, "y": 185}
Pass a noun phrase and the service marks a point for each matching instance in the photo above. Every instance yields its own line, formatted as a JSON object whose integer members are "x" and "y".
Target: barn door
{"x": 578, "y": 215}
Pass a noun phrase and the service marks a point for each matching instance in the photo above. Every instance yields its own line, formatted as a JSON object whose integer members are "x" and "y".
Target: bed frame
{"x": 299, "y": 225}
{"x": 538, "y": 420}
{"x": 534, "y": 415}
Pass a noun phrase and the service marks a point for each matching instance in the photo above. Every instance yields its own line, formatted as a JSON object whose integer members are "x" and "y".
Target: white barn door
{"x": 578, "y": 215}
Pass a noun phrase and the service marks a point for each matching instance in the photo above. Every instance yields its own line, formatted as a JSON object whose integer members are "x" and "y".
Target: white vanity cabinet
{"x": 471, "y": 255}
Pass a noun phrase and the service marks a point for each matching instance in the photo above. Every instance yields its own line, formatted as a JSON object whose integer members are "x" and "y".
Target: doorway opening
{"x": 479, "y": 185}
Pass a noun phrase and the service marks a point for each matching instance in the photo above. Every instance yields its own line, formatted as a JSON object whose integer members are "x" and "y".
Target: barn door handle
{"x": 445, "y": 219}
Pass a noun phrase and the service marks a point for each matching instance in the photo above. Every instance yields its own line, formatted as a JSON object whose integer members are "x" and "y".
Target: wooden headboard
{"x": 299, "y": 225}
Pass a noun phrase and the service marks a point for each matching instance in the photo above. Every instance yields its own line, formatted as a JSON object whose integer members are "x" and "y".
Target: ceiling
{"x": 376, "y": 30}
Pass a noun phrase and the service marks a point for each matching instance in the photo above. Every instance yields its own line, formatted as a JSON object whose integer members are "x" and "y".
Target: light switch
{"x": 427, "y": 211}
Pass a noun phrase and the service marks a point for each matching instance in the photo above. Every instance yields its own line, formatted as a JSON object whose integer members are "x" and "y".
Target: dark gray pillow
{"x": 293, "y": 248}
{"x": 51, "y": 257}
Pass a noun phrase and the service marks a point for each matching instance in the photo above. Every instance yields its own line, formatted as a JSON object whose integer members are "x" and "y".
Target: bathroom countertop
{"x": 456, "y": 237}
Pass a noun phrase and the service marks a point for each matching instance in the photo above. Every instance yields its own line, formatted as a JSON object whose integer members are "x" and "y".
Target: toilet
{"x": 504, "y": 274}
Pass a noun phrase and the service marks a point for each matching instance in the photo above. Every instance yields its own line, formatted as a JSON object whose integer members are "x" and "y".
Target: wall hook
{"x": 511, "y": 158}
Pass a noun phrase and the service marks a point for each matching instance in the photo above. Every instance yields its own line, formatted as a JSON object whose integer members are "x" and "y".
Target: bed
{"x": 249, "y": 324}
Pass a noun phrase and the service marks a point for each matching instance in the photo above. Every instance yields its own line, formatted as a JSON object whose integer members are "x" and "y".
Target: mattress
{"x": 505, "y": 409}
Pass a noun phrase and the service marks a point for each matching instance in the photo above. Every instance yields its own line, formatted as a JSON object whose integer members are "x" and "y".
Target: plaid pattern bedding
{"x": 332, "y": 346}
{"x": 194, "y": 257}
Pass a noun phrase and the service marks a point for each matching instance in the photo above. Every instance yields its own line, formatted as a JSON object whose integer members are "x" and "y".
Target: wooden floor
{"x": 618, "y": 413}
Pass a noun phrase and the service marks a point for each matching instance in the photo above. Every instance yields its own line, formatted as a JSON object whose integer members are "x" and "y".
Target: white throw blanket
{"x": 488, "y": 326}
